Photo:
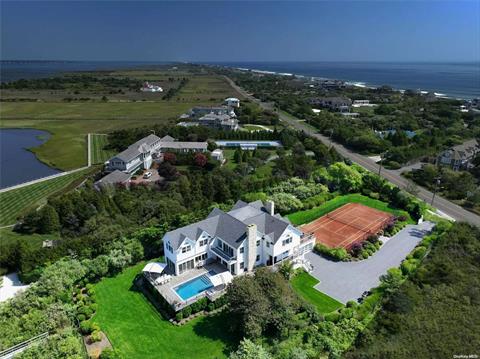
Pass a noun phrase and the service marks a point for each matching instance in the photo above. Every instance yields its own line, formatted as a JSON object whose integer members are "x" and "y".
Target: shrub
{"x": 351, "y": 304}
{"x": 419, "y": 252}
{"x": 96, "y": 336}
{"x": 187, "y": 311}
{"x": 179, "y": 316}
{"x": 332, "y": 317}
{"x": 81, "y": 317}
{"x": 402, "y": 218}
{"x": 338, "y": 254}
{"x": 408, "y": 266}
{"x": 211, "y": 307}
{"x": 373, "y": 238}
{"x": 86, "y": 327}
{"x": 109, "y": 353}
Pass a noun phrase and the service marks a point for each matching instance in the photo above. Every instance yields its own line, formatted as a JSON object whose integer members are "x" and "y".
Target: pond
{"x": 17, "y": 163}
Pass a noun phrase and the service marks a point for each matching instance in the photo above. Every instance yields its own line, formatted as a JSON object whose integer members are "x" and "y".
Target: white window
{"x": 258, "y": 257}
{"x": 268, "y": 244}
{"x": 242, "y": 249}
{"x": 203, "y": 242}
{"x": 287, "y": 241}
{"x": 258, "y": 243}
{"x": 242, "y": 265}
{"x": 169, "y": 247}
{"x": 186, "y": 249}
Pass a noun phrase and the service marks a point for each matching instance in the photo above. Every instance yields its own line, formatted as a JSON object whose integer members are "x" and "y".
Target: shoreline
{"x": 360, "y": 84}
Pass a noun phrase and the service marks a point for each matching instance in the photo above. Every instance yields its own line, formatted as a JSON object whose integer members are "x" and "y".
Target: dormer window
{"x": 186, "y": 249}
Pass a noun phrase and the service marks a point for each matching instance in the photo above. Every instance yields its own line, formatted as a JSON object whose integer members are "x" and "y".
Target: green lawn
{"x": 303, "y": 283}
{"x": 135, "y": 327}
{"x": 15, "y": 202}
{"x": 99, "y": 154}
{"x": 309, "y": 215}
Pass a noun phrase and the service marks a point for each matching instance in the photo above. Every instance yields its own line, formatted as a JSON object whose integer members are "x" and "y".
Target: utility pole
{"x": 437, "y": 182}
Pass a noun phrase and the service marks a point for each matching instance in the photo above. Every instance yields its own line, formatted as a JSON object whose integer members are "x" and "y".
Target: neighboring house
{"x": 219, "y": 121}
{"x": 136, "y": 156}
{"x": 232, "y": 102}
{"x": 199, "y": 111}
{"x": 249, "y": 235}
{"x": 362, "y": 103}
{"x": 151, "y": 88}
{"x": 217, "y": 155}
{"x": 339, "y": 104}
{"x": 247, "y": 144}
{"x": 140, "y": 155}
{"x": 113, "y": 179}
{"x": 459, "y": 157}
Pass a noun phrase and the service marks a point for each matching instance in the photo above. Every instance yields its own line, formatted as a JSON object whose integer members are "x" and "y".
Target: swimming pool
{"x": 193, "y": 287}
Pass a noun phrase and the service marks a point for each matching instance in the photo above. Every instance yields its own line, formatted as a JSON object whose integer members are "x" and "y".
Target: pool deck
{"x": 167, "y": 290}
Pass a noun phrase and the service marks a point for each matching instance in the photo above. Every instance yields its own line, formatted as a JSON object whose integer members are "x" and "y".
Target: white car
{"x": 147, "y": 175}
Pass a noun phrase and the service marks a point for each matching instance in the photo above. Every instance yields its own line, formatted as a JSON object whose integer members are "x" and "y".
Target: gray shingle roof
{"x": 231, "y": 227}
{"x": 115, "y": 177}
{"x": 135, "y": 149}
{"x": 184, "y": 145}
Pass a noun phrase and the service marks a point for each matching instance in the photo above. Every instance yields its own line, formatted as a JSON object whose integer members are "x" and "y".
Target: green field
{"x": 307, "y": 216}
{"x": 67, "y": 148}
{"x": 99, "y": 154}
{"x": 303, "y": 283}
{"x": 206, "y": 88}
{"x": 135, "y": 327}
{"x": 13, "y": 203}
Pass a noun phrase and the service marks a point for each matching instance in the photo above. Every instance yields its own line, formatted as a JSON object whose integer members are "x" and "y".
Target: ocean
{"x": 459, "y": 80}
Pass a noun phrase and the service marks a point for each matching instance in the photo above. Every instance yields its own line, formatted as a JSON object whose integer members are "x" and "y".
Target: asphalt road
{"x": 346, "y": 281}
{"x": 441, "y": 203}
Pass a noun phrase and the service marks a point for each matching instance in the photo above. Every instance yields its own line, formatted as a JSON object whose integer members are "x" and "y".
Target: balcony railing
{"x": 218, "y": 251}
{"x": 307, "y": 237}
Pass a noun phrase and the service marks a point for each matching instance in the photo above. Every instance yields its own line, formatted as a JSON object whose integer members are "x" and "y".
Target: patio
{"x": 167, "y": 289}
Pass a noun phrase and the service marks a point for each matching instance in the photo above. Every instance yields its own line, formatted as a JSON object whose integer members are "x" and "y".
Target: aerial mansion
{"x": 219, "y": 117}
{"x": 203, "y": 257}
{"x": 140, "y": 155}
{"x": 248, "y": 236}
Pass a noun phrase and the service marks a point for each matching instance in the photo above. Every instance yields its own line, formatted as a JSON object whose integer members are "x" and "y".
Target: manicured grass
{"x": 67, "y": 147}
{"x": 307, "y": 216}
{"x": 93, "y": 110}
{"x": 303, "y": 283}
{"x": 99, "y": 154}
{"x": 135, "y": 327}
{"x": 13, "y": 203}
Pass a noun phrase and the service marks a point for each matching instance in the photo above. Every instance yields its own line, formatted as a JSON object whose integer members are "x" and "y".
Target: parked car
{"x": 147, "y": 175}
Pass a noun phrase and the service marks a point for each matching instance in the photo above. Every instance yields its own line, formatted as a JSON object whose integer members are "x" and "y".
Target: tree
{"x": 249, "y": 350}
{"x": 48, "y": 221}
{"x": 170, "y": 157}
{"x": 248, "y": 307}
{"x": 167, "y": 171}
{"x": 286, "y": 269}
{"x": 200, "y": 160}
{"x": 345, "y": 177}
{"x": 237, "y": 155}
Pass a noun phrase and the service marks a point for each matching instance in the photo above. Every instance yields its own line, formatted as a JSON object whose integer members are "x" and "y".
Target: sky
{"x": 241, "y": 30}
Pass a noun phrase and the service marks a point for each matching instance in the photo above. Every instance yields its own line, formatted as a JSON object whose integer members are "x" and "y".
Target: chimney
{"x": 251, "y": 246}
{"x": 270, "y": 206}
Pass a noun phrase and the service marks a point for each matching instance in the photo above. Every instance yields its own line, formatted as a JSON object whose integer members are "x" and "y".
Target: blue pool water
{"x": 193, "y": 287}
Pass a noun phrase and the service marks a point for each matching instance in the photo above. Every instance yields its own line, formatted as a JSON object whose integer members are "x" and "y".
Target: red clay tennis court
{"x": 347, "y": 225}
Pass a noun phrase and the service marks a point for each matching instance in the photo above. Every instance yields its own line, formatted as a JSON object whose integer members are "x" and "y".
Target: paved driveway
{"x": 346, "y": 281}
